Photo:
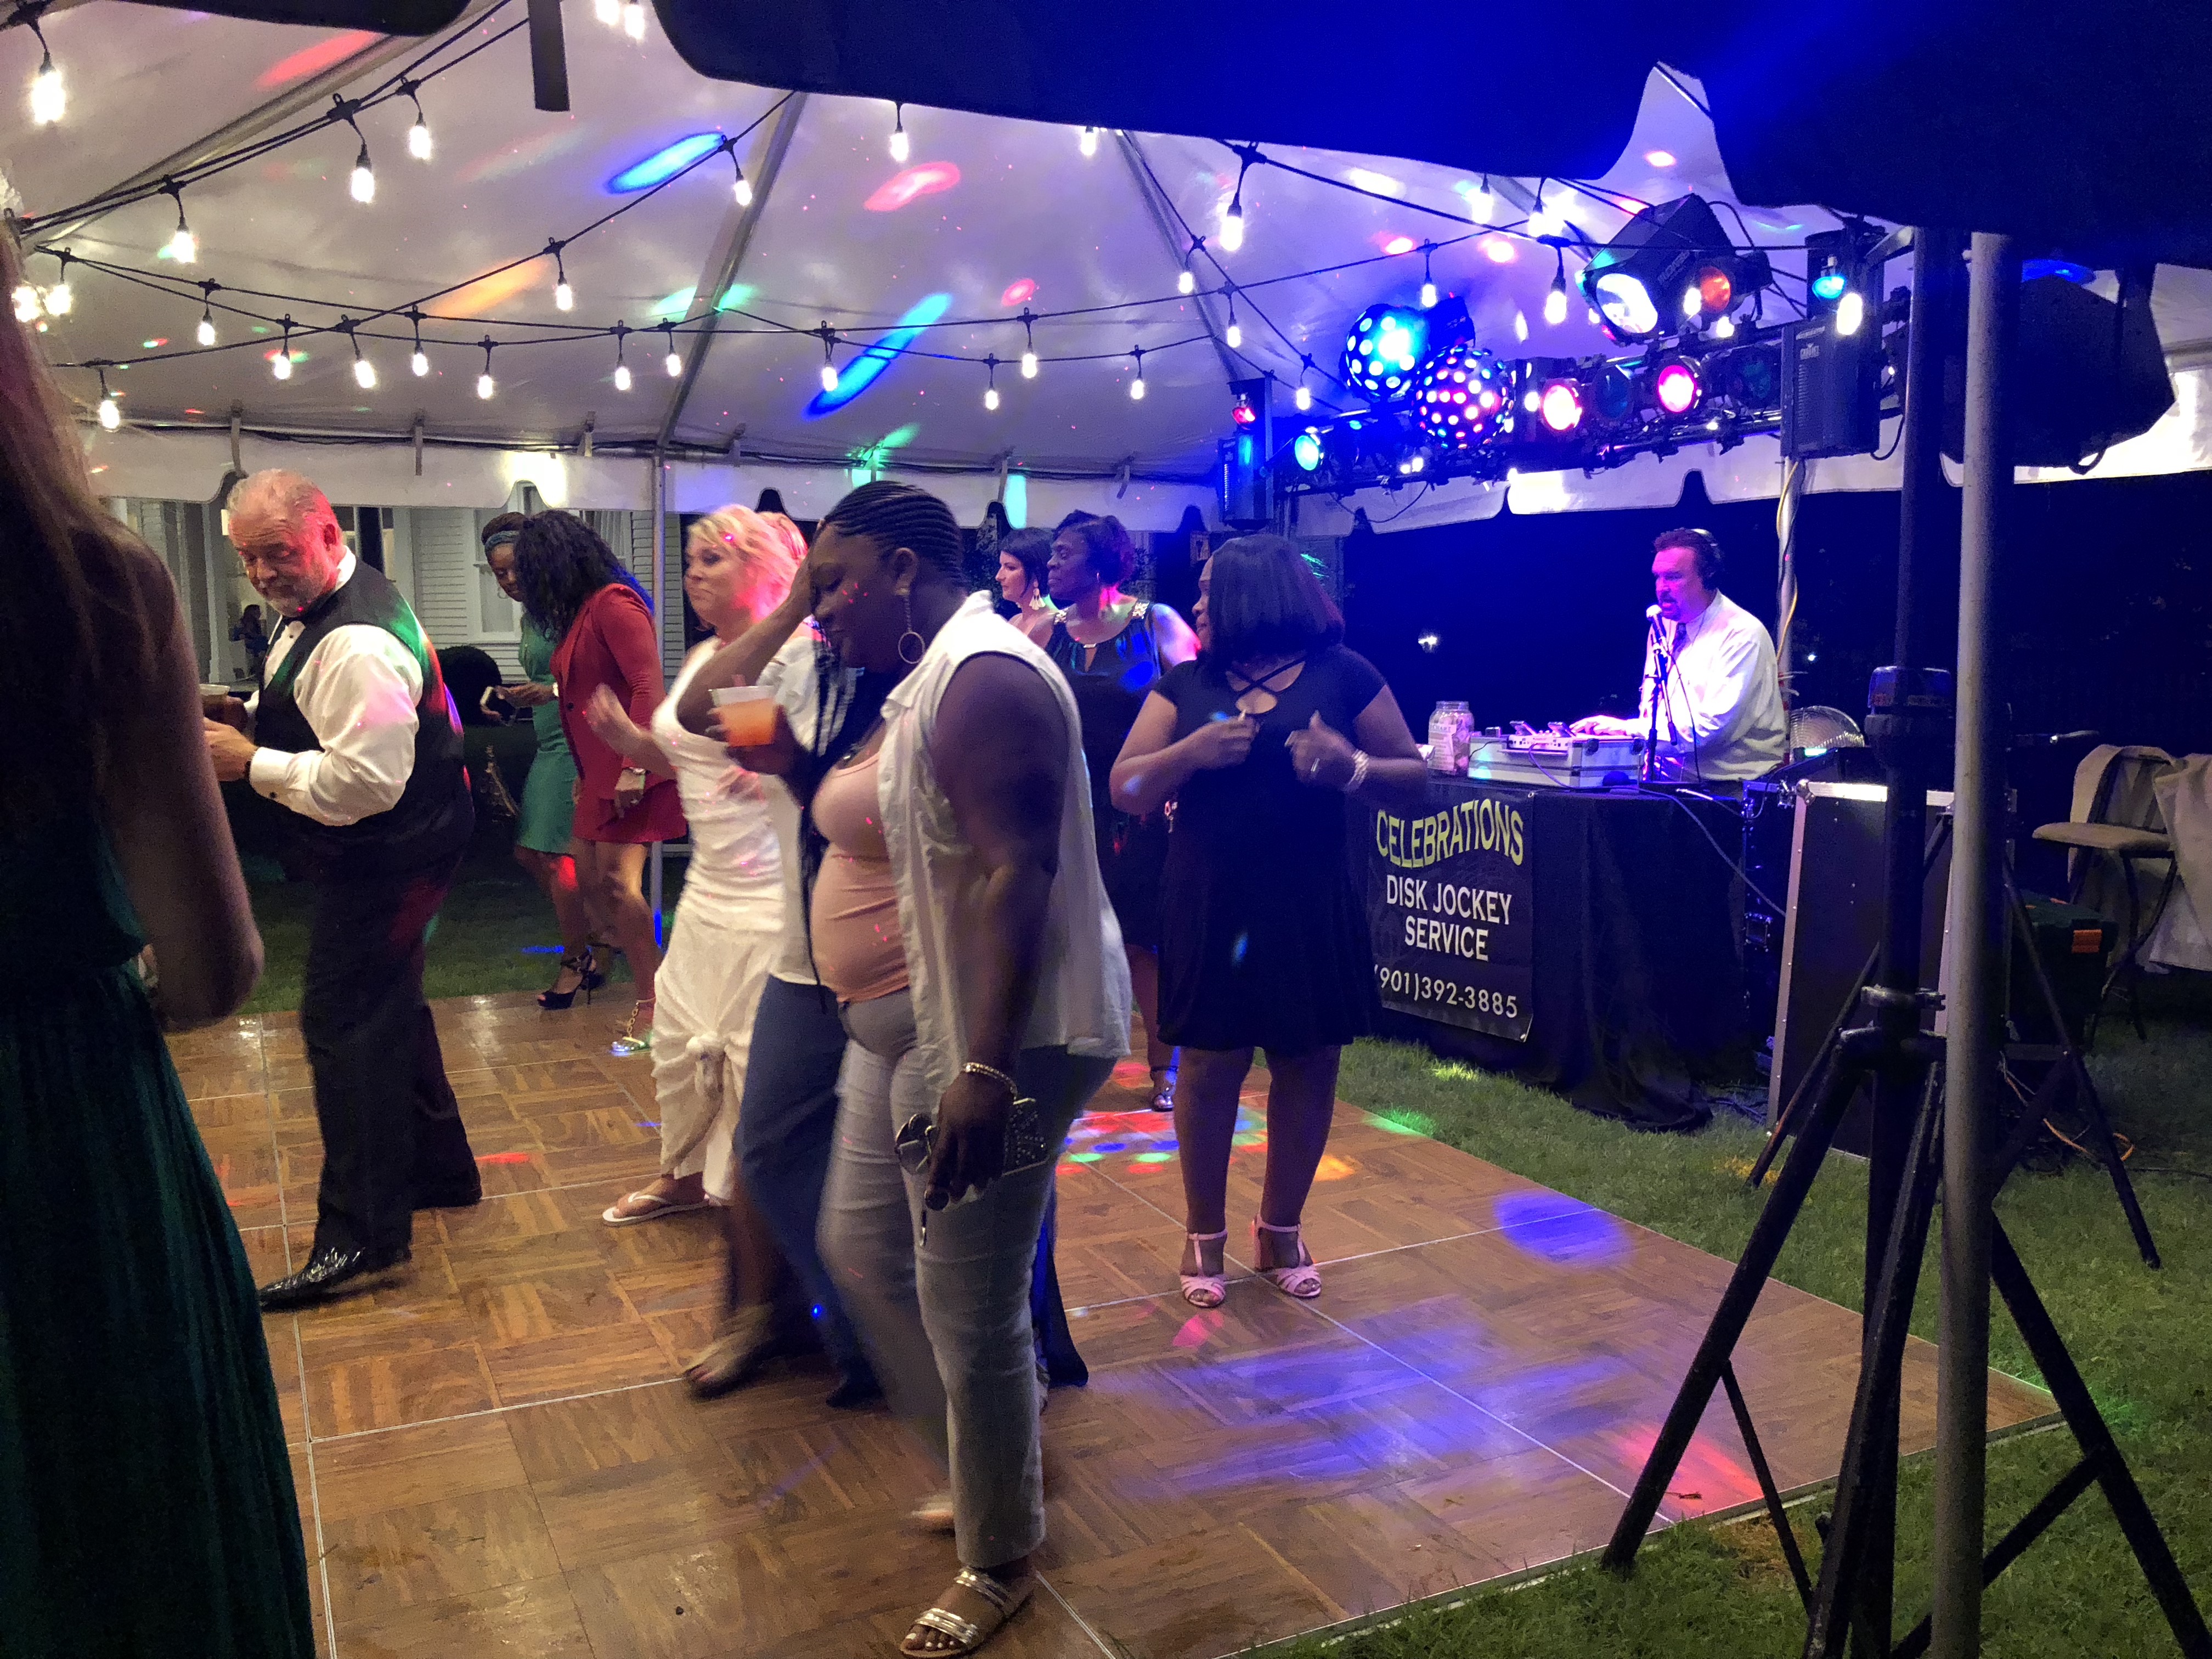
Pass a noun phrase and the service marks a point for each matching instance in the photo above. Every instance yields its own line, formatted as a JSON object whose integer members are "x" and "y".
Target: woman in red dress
{"x": 601, "y": 624}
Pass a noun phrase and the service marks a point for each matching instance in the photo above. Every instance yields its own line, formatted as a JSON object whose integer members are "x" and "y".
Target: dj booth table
{"x": 1583, "y": 940}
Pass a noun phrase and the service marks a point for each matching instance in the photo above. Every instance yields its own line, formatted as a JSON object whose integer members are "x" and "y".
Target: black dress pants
{"x": 392, "y": 1135}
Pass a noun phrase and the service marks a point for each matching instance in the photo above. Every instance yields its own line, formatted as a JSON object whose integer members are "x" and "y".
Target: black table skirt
{"x": 1638, "y": 969}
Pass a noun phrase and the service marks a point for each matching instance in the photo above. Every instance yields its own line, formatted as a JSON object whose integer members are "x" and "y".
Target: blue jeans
{"x": 946, "y": 1319}
{"x": 787, "y": 1120}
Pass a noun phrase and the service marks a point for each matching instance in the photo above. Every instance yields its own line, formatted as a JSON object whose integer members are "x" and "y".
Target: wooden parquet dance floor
{"x": 498, "y": 1457}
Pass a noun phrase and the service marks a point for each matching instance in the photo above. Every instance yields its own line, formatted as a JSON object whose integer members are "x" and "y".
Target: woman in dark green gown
{"x": 146, "y": 1502}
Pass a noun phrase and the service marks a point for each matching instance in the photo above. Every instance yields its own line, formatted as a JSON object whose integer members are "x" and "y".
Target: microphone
{"x": 1651, "y": 612}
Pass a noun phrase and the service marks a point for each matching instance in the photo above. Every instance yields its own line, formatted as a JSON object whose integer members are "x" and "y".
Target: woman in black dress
{"x": 1264, "y": 938}
{"x": 1113, "y": 651}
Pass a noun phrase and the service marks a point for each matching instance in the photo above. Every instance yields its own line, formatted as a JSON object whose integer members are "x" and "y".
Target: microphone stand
{"x": 1661, "y": 668}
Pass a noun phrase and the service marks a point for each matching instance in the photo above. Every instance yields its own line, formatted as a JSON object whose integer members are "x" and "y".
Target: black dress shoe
{"x": 331, "y": 1272}
{"x": 448, "y": 1198}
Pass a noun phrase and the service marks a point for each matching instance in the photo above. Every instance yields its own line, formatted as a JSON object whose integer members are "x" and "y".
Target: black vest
{"x": 434, "y": 818}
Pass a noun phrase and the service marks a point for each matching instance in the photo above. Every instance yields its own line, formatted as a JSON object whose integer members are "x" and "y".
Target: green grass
{"x": 2144, "y": 1339}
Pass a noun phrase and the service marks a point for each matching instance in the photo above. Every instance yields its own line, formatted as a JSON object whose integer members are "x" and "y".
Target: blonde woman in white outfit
{"x": 737, "y": 567}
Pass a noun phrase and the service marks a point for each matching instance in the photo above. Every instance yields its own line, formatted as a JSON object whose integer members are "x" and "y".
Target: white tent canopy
{"x": 986, "y": 217}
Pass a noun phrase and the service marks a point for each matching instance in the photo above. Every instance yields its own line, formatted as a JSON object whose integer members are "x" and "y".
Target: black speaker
{"x": 2086, "y": 373}
{"x": 1831, "y": 388}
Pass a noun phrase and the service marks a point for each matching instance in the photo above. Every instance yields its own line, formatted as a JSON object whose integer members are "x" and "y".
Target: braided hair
{"x": 903, "y": 515}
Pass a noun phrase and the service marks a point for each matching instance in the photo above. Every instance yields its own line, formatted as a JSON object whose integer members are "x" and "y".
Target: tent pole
{"x": 727, "y": 256}
{"x": 1977, "y": 920}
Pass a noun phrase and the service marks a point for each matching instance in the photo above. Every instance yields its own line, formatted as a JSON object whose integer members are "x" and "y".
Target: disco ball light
{"x": 1460, "y": 396}
{"x": 1384, "y": 348}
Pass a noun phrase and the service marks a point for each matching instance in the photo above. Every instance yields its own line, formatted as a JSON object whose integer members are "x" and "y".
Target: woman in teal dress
{"x": 549, "y": 794}
{"x": 146, "y": 1500}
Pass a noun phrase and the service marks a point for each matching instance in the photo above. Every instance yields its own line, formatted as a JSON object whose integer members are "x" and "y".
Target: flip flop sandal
{"x": 925, "y": 1640}
{"x": 653, "y": 1207}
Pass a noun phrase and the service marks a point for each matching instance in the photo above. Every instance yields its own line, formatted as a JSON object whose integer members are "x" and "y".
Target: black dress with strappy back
{"x": 1263, "y": 930}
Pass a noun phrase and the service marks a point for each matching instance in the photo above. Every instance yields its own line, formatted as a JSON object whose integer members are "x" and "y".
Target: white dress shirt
{"x": 1721, "y": 717}
{"x": 357, "y": 690}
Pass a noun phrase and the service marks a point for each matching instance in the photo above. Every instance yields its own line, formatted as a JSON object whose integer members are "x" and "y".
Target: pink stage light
{"x": 313, "y": 60}
{"x": 1676, "y": 388}
{"x": 1499, "y": 251}
{"x": 927, "y": 180}
{"x": 1393, "y": 245}
{"x": 1019, "y": 292}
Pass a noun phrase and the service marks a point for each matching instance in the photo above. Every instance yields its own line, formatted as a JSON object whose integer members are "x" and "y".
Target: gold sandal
{"x": 629, "y": 1039}
{"x": 1005, "y": 1600}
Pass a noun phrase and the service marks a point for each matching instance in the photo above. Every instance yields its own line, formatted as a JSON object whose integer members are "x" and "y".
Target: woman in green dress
{"x": 549, "y": 794}
{"x": 146, "y": 1500}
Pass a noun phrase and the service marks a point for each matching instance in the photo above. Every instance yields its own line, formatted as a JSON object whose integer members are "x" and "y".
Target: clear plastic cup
{"x": 747, "y": 714}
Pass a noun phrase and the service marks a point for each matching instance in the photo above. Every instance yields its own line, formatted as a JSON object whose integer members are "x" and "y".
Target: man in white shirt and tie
{"x": 1710, "y": 664}
{"x": 353, "y": 731}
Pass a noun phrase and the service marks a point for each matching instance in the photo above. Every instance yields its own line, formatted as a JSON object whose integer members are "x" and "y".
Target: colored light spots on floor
{"x": 1333, "y": 1167}
{"x": 1197, "y": 1328}
{"x": 664, "y": 164}
{"x": 1564, "y": 1230}
{"x": 1085, "y": 1158}
{"x": 1408, "y": 1123}
{"x": 1112, "y": 1146}
{"x": 504, "y": 1158}
{"x": 1155, "y": 1157}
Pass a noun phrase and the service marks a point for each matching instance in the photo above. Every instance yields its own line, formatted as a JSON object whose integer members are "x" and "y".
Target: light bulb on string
{"x": 1542, "y": 222}
{"x": 111, "y": 413}
{"x": 1481, "y": 204}
{"x": 1232, "y": 224}
{"x": 1555, "y": 300}
{"x": 900, "y": 148}
{"x": 634, "y": 20}
{"x": 182, "y": 246}
{"x": 281, "y": 364}
{"x": 1304, "y": 396}
{"x": 26, "y": 303}
{"x": 622, "y": 368}
{"x": 1428, "y": 279}
{"x": 829, "y": 357}
{"x": 485, "y": 385}
{"x": 362, "y": 184}
{"x": 1029, "y": 346}
{"x": 673, "y": 363}
{"x": 991, "y": 388}
{"x": 1187, "y": 282}
{"x": 364, "y": 371}
{"x": 1137, "y": 386}
{"x": 49, "y": 98}
{"x": 1086, "y": 140}
{"x": 205, "y": 333}
{"x": 1725, "y": 328}
{"x": 1233, "y": 336}
{"x": 418, "y": 135}
{"x": 742, "y": 187}
{"x": 419, "y": 362}
{"x": 564, "y": 297}
{"x": 608, "y": 12}
{"x": 59, "y": 299}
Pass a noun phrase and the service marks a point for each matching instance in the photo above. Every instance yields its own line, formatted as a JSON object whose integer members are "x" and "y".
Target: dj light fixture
{"x": 1381, "y": 352}
{"x": 1672, "y": 264}
{"x": 1676, "y": 386}
{"x": 1461, "y": 396}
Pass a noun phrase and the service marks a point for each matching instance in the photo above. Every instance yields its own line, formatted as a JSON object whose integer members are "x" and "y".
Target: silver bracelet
{"x": 1359, "y": 771}
{"x": 977, "y": 1068}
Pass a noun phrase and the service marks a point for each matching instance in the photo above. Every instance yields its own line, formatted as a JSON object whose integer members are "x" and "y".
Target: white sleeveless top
{"x": 737, "y": 866}
{"x": 1083, "y": 978}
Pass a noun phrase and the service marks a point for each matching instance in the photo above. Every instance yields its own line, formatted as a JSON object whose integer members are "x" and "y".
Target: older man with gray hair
{"x": 353, "y": 731}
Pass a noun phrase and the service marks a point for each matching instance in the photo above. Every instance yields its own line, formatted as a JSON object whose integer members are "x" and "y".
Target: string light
{"x": 829, "y": 357}
{"x": 672, "y": 362}
{"x": 608, "y": 12}
{"x": 485, "y": 385}
{"x": 58, "y": 297}
{"x": 1233, "y": 336}
{"x": 1428, "y": 279}
{"x": 564, "y": 297}
{"x": 622, "y": 368}
{"x": 419, "y": 362}
{"x": 1086, "y": 140}
{"x": 1137, "y": 386}
{"x": 991, "y": 389}
{"x": 364, "y": 371}
{"x": 362, "y": 184}
{"x": 1481, "y": 204}
{"x": 1304, "y": 396}
{"x": 111, "y": 413}
{"x": 900, "y": 148}
{"x": 205, "y": 333}
{"x": 418, "y": 135}
{"x": 26, "y": 303}
{"x": 1555, "y": 300}
{"x": 1724, "y": 327}
{"x": 182, "y": 246}
{"x": 1186, "y": 282}
{"x": 1232, "y": 220}
{"x": 634, "y": 20}
{"x": 1029, "y": 344}
{"x": 1542, "y": 222}
{"x": 49, "y": 98}
{"x": 281, "y": 364}
{"x": 743, "y": 188}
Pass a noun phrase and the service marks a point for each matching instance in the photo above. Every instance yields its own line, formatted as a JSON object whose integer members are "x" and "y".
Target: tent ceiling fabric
{"x": 988, "y": 210}
{"x": 2087, "y": 127}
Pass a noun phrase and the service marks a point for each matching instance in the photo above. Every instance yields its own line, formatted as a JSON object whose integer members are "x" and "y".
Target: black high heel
{"x": 588, "y": 980}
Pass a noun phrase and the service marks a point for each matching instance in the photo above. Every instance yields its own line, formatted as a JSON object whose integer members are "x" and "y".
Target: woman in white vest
{"x": 957, "y": 914}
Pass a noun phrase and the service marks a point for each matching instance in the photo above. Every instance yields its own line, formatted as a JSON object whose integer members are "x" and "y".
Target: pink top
{"x": 857, "y": 948}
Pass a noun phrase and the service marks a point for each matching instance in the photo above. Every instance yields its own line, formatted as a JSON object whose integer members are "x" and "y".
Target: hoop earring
{"x": 920, "y": 644}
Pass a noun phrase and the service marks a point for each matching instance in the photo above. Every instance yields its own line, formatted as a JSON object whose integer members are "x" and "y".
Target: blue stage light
{"x": 1831, "y": 283}
{"x": 858, "y": 376}
{"x": 1381, "y": 352}
{"x": 1305, "y": 450}
{"x": 663, "y": 163}
{"x": 2032, "y": 269}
